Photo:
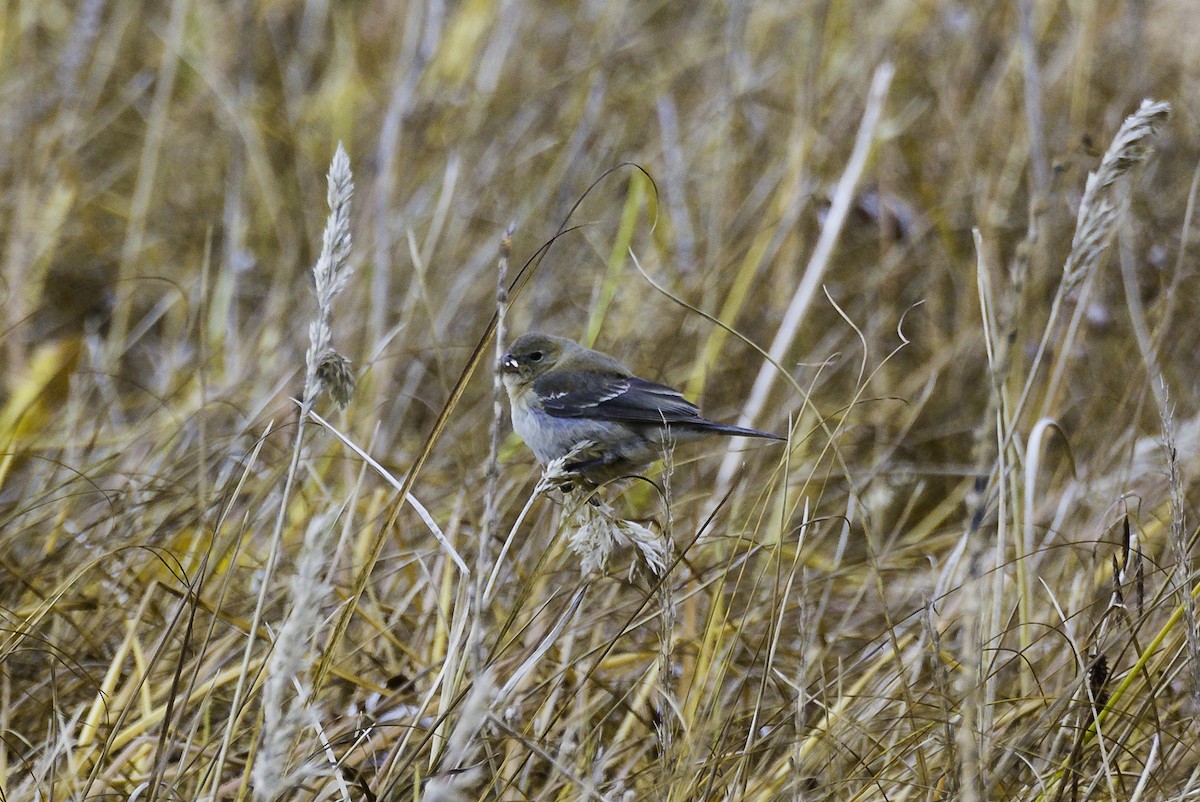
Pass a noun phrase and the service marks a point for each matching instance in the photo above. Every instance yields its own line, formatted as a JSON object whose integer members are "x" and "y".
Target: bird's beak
{"x": 508, "y": 364}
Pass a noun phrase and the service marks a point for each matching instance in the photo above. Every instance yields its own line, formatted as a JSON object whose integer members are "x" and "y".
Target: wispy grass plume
{"x": 1096, "y": 222}
{"x": 595, "y": 530}
{"x": 292, "y": 653}
{"x": 1184, "y": 577}
{"x": 1095, "y": 227}
{"x": 326, "y": 369}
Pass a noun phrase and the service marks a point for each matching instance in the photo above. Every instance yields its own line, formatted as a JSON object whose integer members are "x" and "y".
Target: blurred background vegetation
{"x": 161, "y": 206}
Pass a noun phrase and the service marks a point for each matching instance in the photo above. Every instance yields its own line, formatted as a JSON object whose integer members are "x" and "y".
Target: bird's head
{"x": 532, "y": 355}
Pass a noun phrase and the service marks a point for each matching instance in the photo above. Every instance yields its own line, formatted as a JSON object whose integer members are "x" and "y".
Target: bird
{"x": 570, "y": 400}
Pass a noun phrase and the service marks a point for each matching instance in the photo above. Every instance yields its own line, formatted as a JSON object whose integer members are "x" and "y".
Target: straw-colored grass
{"x": 970, "y": 574}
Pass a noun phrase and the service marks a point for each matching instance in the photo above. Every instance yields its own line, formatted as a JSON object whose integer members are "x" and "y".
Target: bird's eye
{"x": 536, "y": 356}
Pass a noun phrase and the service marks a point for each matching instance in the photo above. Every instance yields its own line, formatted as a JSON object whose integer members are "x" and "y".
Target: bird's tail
{"x": 738, "y": 431}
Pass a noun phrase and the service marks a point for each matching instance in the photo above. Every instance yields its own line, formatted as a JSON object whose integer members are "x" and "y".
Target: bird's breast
{"x": 549, "y": 437}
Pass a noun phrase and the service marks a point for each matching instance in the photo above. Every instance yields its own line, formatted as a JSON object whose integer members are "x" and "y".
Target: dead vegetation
{"x": 971, "y": 575}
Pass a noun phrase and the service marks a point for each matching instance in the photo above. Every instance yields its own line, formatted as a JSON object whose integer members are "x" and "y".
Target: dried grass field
{"x": 948, "y": 248}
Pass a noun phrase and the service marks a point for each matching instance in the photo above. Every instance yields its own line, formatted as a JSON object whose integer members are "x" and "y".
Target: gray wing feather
{"x": 616, "y": 398}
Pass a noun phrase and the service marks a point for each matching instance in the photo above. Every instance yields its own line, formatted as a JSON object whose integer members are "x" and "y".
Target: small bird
{"x": 565, "y": 396}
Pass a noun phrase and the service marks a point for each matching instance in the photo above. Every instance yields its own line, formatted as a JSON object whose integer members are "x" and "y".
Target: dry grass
{"x": 971, "y": 575}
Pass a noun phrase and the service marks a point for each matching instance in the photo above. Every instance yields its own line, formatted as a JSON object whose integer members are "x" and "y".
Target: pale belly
{"x": 550, "y": 438}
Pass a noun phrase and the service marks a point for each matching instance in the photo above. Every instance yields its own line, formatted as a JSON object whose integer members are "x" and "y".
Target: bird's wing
{"x": 613, "y": 397}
